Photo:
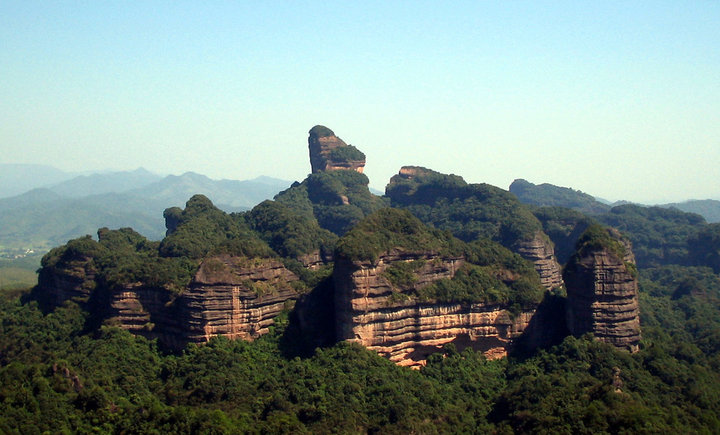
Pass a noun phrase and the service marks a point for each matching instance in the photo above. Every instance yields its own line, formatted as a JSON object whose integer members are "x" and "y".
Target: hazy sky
{"x": 618, "y": 99}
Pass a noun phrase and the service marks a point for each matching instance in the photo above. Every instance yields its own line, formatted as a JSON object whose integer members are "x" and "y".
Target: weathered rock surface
{"x": 540, "y": 251}
{"x": 371, "y": 312}
{"x": 602, "y": 291}
{"x": 236, "y": 297}
{"x": 315, "y": 260}
{"x": 232, "y": 296}
{"x": 328, "y": 152}
{"x": 143, "y": 310}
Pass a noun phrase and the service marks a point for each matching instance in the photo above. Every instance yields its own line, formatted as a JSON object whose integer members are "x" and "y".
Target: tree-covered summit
{"x": 337, "y": 200}
{"x": 469, "y": 211}
{"x": 491, "y": 273}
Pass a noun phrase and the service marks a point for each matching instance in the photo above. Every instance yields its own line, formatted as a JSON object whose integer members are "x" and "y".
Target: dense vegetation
{"x": 468, "y": 211}
{"x": 202, "y": 228}
{"x": 289, "y": 233}
{"x": 548, "y": 195}
{"x": 659, "y": 235}
{"x": 564, "y": 226}
{"x": 704, "y": 247}
{"x": 58, "y": 374}
{"x": 390, "y": 229}
{"x": 346, "y": 154}
{"x": 123, "y": 257}
{"x": 484, "y": 278}
{"x": 337, "y": 199}
{"x": 55, "y": 376}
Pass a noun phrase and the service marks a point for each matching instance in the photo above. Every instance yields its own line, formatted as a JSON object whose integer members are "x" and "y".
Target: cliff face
{"x": 142, "y": 310}
{"x": 602, "y": 291}
{"x": 540, "y": 251}
{"x": 374, "y": 313}
{"x": 232, "y": 296}
{"x": 328, "y": 152}
{"x": 236, "y": 297}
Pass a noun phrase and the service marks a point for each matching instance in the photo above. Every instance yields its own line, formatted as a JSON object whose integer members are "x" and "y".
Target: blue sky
{"x": 617, "y": 99}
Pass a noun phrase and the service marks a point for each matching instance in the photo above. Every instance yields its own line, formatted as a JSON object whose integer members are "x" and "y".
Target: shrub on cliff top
{"x": 595, "y": 238}
{"x": 346, "y": 154}
{"x": 202, "y": 228}
{"x": 289, "y": 233}
{"x": 337, "y": 199}
{"x": 492, "y": 274}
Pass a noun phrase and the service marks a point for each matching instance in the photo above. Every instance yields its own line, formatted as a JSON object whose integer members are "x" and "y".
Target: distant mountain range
{"x": 16, "y": 179}
{"x": 42, "y": 207}
{"x": 550, "y": 195}
{"x": 44, "y": 217}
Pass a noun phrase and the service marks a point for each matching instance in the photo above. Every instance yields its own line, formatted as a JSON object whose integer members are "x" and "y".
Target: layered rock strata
{"x": 328, "y": 152}
{"x": 374, "y": 313}
{"x": 145, "y": 311}
{"x": 233, "y": 296}
{"x": 540, "y": 251}
{"x": 602, "y": 295}
{"x": 236, "y": 297}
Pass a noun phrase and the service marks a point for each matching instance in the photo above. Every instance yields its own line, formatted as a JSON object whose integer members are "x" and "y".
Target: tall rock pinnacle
{"x": 328, "y": 152}
{"x": 602, "y": 289}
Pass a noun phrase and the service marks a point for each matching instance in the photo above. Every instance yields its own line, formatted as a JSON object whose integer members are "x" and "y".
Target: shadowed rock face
{"x": 602, "y": 291}
{"x": 371, "y": 312}
{"x": 75, "y": 280}
{"x": 328, "y": 152}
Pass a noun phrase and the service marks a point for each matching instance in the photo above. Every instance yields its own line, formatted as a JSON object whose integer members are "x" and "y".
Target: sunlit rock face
{"x": 328, "y": 152}
{"x": 540, "y": 251}
{"x": 602, "y": 295}
{"x": 369, "y": 311}
{"x": 236, "y": 297}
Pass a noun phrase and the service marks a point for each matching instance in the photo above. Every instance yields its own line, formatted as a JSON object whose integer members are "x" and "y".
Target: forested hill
{"x": 326, "y": 287}
{"x": 549, "y": 195}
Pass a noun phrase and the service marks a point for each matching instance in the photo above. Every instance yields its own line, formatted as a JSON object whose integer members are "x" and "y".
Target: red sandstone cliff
{"x": 540, "y": 251}
{"x": 236, "y": 297}
{"x": 602, "y": 293}
{"x": 372, "y": 312}
{"x": 328, "y": 152}
{"x": 73, "y": 279}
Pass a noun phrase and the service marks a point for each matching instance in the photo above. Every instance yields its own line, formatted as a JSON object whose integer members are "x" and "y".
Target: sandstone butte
{"x": 239, "y": 297}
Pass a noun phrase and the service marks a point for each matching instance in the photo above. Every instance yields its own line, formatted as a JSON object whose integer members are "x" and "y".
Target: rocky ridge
{"x": 239, "y": 296}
